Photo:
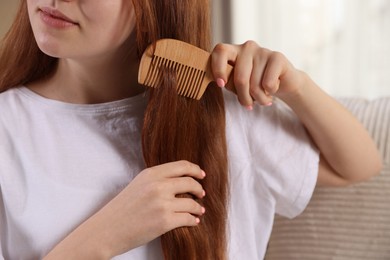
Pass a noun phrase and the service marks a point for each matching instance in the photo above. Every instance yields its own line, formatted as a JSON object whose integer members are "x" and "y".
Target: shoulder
{"x": 273, "y": 147}
{"x": 271, "y": 121}
{"x": 10, "y": 99}
{"x": 8, "y": 125}
{"x": 274, "y": 129}
{"x": 12, "y": 105}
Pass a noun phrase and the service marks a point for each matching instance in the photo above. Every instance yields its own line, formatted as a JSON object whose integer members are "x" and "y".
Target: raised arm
{"x": 348, "y": 154}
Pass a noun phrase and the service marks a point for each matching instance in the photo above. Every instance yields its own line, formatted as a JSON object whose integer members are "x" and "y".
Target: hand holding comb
{"x": 190, "y": 63}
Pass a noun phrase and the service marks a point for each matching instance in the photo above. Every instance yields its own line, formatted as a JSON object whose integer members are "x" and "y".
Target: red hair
{"x": 175, "y": 127}
{"x": 21, "y": 61}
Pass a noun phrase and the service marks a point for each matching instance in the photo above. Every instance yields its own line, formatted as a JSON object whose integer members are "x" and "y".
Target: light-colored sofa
{"x": 351, "y": 223}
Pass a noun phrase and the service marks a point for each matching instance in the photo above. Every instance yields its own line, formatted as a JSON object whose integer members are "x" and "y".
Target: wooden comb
{"x": 190, "y": 63}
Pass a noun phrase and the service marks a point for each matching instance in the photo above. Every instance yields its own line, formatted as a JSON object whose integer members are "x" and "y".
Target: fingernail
{"x": 204, "y": 193}
{"x": 203, "y": 210}
{"x": 203, "y": 173}
{"x": 197, "y": 220}
{"x": 249, "y": 108}
{"x": 221, "y": 83}
{"x": 269, "y": 104}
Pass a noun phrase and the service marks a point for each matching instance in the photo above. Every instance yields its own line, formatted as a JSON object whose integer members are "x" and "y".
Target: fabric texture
{"x": 61, "y": 162}
{"x": 350, "y": 223}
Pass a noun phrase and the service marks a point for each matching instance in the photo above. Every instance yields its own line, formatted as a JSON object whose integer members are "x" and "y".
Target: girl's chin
{"x": 49, "y": 47}
{"x": 56, "y": 51}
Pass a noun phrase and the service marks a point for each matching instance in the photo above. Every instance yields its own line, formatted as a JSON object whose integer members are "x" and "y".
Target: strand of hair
{"x": 189, "y": 82}
{"x": 154, "y": 75}
{"x": 198, "y": 83}
{"x": 189, "y": 79}
{"x": 150, "y": 73}
{"x": 184, "y": 80}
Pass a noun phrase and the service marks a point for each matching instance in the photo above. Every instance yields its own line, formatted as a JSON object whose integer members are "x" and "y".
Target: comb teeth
{"x": 189, "y": 80}
{"x": 190, "y": 65}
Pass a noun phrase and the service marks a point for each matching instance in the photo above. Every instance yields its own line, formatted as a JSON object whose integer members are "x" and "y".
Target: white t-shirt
{"x": 60, "y": 163}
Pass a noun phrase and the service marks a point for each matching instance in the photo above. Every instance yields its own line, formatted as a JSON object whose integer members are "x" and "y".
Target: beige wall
{"x": 7, "y": 12}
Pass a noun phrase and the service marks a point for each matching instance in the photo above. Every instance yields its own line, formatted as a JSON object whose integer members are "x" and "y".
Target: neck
{"x": 98, "y": 80}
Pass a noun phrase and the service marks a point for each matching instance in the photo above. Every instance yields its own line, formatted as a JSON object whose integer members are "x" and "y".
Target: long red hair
{"x": 175, "y": 127}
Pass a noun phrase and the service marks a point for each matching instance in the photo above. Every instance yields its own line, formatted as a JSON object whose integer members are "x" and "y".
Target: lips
{"x": 55, "y": 18}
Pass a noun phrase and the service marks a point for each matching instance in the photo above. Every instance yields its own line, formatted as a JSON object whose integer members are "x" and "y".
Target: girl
{"x": 73, "y": 123}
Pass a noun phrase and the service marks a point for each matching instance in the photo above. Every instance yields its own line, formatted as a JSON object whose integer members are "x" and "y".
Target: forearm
{"x": 341, "y": 139}
{"x": 83, "y": 243}
{"x": 140, "y": 213}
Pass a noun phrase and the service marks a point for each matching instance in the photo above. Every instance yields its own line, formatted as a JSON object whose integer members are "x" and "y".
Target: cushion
{"x": 344, "y": 223}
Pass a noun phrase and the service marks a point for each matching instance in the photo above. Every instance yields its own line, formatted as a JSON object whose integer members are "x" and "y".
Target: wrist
{"x": 83, "y": 243}
{"x": 298, "y": 94}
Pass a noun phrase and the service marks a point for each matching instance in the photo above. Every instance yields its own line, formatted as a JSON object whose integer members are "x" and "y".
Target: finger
{"x": 184, "y": 212}
{"x": 184, "y": 220}
{"x": 242, "y": 76}
{"x": 178, "y": 169}
{"x": 186, "y": 205}
{"x": 256, "y": 90}
{"x": 221, "y": 56}
{"x": 275, "y": 68}
{"x": 184, "y": 185}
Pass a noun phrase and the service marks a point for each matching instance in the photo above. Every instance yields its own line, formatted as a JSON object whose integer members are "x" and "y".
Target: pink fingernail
{"x": 204, "y": 193}
{"x": 203, "y": 173}
{"x": 197, "y": 220}
{"x": 221, "y": 83}
{"x": 269, "y": 104}
{"x": 249, "y": 108}
{"x": 203, "y": 210}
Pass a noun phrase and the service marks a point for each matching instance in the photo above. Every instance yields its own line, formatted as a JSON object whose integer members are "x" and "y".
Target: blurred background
{"x": 7, "y": 13}
{"x": 344, "y": 45}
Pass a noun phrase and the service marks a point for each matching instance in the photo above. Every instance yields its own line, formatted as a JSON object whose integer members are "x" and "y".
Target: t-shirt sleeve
{"x": 282, "y": 155}
{"x": 2, "y": 210}
{"x": 1, "y": 224}
{"x": 292, "y": 171}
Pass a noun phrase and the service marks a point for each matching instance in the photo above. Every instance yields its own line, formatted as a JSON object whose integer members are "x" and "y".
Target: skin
{"x": 92, "y": 69}
{"x": 96, "y": 54}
